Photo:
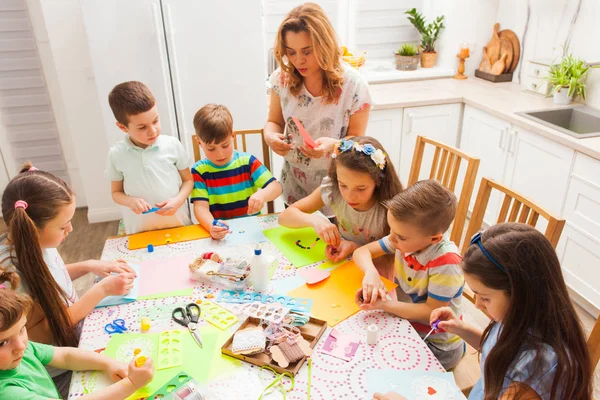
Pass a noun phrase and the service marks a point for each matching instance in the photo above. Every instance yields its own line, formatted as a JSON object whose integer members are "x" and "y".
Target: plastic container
{"x": 259, "y": 271}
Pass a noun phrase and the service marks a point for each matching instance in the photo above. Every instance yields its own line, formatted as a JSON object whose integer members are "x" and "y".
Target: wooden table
{"x": 399, "y": 346}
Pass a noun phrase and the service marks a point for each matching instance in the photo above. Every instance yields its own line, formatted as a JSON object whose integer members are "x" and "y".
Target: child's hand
{"x": 140, "y": 376}
{"x": 256, "y": 202}
{"x": 168, "y": 207}
{"x": 138, "y": 205}
{"x": 104, "y": 268}
{"x": 116, "y": 370}
{"x": 373, "y": 287}
{"x": 448, "y": 320}
{"x": 340, "y": 252}
{"x": 278, "y": 143}
{"x": 218, "y": 232}
{"x": 373, "y": 305}
{"x": 388, "y": 396}
{"x": 327, "y": 231}
{"x": 117, "y": 285}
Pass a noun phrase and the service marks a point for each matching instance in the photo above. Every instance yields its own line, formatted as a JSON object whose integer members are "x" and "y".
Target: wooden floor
{"x": 87, "y": 241}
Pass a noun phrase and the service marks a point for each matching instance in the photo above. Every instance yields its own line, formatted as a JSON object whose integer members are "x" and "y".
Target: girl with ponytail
{"x": 37, "y": 208}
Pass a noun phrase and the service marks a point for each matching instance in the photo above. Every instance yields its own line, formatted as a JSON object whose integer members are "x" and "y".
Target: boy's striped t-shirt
{"x": 432, "y": 272}
{"x": 227, "y": 188}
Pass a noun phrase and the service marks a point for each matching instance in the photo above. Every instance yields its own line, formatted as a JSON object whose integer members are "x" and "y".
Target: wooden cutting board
{"x": 485, "y": 65}
{"x": 516, "y": 46}
{"x": 499, "y": 66}
{"x": 493, "y": 47}
{"x": 506, "y": 48}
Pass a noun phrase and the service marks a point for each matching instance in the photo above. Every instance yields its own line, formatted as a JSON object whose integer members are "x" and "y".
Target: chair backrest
{"x": 444, "y": 169}
{"x": 266, "y": 153}
{"x": 594, "y": 345}
{"x": 515, "y": 208}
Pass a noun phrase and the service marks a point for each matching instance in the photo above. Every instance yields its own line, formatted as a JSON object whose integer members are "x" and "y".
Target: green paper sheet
{"x": 285, "y": 240}
{"x": 202, "y": 364}
{"x": 181, "y": 292}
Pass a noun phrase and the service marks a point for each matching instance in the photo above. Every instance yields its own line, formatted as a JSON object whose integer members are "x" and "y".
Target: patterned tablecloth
{"x": 398, "y": 346}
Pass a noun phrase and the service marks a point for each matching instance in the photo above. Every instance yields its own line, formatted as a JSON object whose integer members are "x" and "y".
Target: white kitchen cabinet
{"x": 486, "y": 137}
{"x": 579, "y": 246}
{"x": 386, "y": 127}
{"x": 436, "y": 122}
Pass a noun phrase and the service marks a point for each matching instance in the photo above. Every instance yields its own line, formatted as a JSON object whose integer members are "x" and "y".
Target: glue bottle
{"x": 259, "y": 271}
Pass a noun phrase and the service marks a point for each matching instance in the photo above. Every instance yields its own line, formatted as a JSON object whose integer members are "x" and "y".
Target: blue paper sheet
{"x": 413, "y": 385}
{"x": 245, "y": 230}
{"x": 127, "y": 298}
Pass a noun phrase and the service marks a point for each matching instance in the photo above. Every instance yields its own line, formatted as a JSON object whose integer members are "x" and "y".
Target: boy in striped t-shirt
{"x": 227, "y": 183}
{"x": 427, "y": 263}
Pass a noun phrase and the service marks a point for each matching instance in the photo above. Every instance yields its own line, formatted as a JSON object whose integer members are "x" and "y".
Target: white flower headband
{"x": 377, "y": 155}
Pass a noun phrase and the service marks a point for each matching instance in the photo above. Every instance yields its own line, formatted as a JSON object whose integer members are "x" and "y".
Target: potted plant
{"x": 407, "y": 58}
{"x": 429, "y": 35}
{"x": 567, "y": 79}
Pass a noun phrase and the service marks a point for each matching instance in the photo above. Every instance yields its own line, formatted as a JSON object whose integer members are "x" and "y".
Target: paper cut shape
{"x": 166, "y": 236}
{"x": 313, "y": 275}
{"x": 414, "y": 385}
{"x": 307, "y": 139}
{"x": 165, "y": 275}
{"x": 339, "y": 290}
{"x": 126, "y": 298}
{"x": 285, "y": 240}
{"x": 340, "y": 345}
{"x": 245, "y": 230}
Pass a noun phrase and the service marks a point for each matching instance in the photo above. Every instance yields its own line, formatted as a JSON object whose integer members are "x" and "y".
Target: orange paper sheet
{"x": 166, "y": 236}
{"x": 334, "y": 297}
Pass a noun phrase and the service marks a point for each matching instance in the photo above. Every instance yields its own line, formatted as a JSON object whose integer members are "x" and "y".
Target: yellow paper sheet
{"x": 166, "y": 236}
{"x": 334, "y": 297}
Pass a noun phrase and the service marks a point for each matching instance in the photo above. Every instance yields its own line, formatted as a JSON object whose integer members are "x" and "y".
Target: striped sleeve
{"x": 386, "y": 245}
{"x": 200, "y": 191}
{"x": 261, "y": 176}
{"x": 446, "y": 279}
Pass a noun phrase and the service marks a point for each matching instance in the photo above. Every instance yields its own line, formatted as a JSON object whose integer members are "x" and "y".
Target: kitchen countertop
{"x": 502, "y": 100}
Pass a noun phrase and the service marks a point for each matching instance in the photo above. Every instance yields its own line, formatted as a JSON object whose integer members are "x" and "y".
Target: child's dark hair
{"x": 387, "y": 183}
{"x": 13, "y": 305}
{"x": 540, "y": 311}
{"x": 44, "y": 194}
{"x": 213, "y": 123}
{"x": 130, "y": 98}
{"x": 426, "y": 204}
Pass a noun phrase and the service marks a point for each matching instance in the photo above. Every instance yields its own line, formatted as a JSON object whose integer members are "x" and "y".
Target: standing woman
{"x": 329, "y": 98}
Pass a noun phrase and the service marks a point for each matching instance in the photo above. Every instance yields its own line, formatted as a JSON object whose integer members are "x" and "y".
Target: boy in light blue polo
{"x": 147, "y": 170}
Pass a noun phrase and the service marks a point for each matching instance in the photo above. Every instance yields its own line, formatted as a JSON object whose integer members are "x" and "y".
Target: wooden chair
{"x": 593, "y": 344}
{"x": 445, "y": 168}
{"x": 265, "y": 152}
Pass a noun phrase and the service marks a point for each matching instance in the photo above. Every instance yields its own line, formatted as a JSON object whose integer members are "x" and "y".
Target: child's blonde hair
{"x": 427, "y": 205}
{"x": 213, "y": 123}
{"x": 44, "y": 195}
{"x": 310, "y": 18}
{"x": 13, "y": 305}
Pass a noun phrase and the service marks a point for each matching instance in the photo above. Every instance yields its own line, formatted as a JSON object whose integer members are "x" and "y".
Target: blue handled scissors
{"x": 117, "y": 326}
{"x": 189, "y": 316}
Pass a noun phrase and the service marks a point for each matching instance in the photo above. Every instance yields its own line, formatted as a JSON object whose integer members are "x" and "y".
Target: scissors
{"x": 117, "y": 326}
{"x": 189, "y": 316}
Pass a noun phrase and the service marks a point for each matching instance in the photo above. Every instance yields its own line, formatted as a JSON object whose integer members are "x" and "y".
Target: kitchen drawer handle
{"x": 536, "y": 71}
{"x": 501, "y": 140}
{"x": 534, "y": 86}
{"x": 410, "y": 121}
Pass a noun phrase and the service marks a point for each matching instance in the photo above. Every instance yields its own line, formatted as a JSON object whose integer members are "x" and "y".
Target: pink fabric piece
{"x": 165, "y": 275}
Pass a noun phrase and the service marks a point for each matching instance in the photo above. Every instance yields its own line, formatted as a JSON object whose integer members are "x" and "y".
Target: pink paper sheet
{"x": 165, "y": 275}
{"x": 313, "y": 275}
{"x": 307, "y": 139}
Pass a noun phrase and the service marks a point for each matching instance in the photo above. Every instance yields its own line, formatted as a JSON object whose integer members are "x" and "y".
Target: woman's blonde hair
{"x": 310, "y": 18}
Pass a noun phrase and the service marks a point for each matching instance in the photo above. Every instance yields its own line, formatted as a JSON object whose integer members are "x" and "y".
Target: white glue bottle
{"x": 259, "y": 271}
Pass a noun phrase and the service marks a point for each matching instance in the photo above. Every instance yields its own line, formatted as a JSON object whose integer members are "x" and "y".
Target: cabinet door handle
{"x": 410, "y": 123}
{"x": 513, "y": 142}
{"x": 510, "y": 140}
{"x": 501, "y": 139}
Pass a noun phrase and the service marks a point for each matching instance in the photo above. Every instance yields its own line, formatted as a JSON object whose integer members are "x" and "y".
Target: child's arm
{"x": 419, "y": 312}
{"x": 170, "y": 207}
{"x": 372, "y": 285}
{"x": 137, "y": 205}
{"x": 519, "y": 390}
{"x": 128, "y": 379}
{"x": 113, "y": 285}
{"x": 205, "y": 218}
{"x": 98, "y": 267}
{"x": 257, "y": 201}
{"x": 300, "y": 215}
{"x": 451, "y": 323}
